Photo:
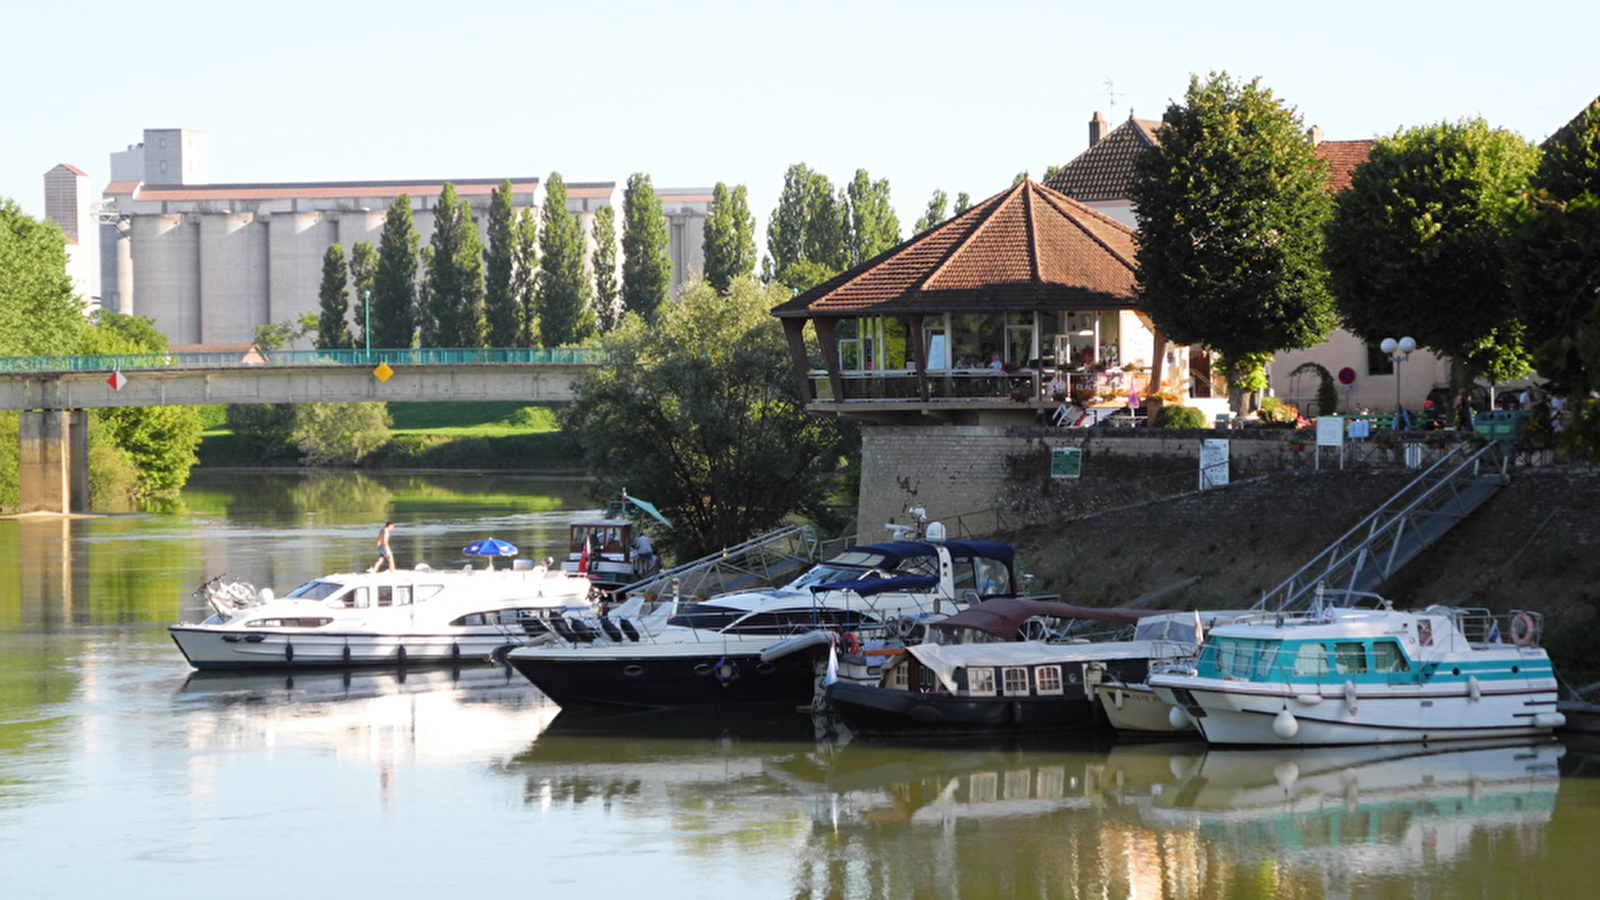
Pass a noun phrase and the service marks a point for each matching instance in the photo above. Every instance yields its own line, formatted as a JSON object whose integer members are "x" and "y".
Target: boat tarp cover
{"x": 867, "y": 586}
{"x": 1002, "y": 616}
{"x": 944, "y": 660}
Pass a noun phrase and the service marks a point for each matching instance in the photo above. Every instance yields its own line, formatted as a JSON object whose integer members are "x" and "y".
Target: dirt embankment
{"x": 1534, "y": 545}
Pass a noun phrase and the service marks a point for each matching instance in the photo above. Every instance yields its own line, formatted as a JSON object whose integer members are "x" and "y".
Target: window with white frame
{"x": 1016, "y": 681}
{"x": 1047, "y": 679}
{"x": 980, "y": 682}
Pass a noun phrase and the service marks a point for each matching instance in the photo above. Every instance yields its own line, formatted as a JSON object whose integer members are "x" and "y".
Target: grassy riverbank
{"x": 497, "y": 435}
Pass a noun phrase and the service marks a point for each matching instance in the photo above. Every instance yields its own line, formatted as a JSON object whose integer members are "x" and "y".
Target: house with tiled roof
{"x": 1100, "y": 175}
{"x": 968, "y": 322}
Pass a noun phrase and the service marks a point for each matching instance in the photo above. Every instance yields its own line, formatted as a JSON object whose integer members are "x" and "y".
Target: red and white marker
{"x": 117, "y": 380}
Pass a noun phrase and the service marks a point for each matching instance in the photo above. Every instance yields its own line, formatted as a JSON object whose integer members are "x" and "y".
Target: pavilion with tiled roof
{"x": 994, "y": 294}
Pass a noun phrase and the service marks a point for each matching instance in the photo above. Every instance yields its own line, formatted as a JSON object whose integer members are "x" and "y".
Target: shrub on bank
{"x": 1180, "y": 417}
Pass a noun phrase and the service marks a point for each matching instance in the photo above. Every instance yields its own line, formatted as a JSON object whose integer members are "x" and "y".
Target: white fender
{"x": 1473, "y": 690}
{"x": 1350, "y": 697}
{"x": 1285, "y": 725}
{"x": 1179, "y": 719}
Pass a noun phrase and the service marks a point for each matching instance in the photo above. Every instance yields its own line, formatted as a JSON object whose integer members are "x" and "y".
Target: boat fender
{"x": 1350, "y": 697}
{"x": 1473, "y": 690}
{"x": 401, "y": 655}
{"x": 345, "y": 653}
{"x": 1179, "y": 719}
{"x": 455, "y": 650}
{"x": 1285, "y": 725}
{"x": 726, "y": 671}
{"x": 1014, "y": 713}
{"x": 1521, "y": 629}
{"x": 1549, "y": 720}
{"x": 288, "y": 651}
{"x": 1116, "y": 699}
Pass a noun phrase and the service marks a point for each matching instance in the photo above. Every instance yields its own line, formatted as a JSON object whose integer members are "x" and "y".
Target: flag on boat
{"x": 583, "y": 557}
{"x": 1494, "y": 632}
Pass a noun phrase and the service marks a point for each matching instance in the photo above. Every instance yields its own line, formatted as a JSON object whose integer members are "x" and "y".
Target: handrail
{"x": 250, "y": 358}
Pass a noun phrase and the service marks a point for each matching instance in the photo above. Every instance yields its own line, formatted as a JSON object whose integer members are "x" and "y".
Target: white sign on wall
{"x": 1213, "y": 463}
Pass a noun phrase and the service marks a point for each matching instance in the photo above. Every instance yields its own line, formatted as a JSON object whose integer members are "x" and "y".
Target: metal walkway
{"x": 1396, "y": 532}
{"x": 762, "y": 561}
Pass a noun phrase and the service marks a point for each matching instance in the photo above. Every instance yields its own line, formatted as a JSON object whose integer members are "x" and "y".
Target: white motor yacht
{"x": 363, "y": 618}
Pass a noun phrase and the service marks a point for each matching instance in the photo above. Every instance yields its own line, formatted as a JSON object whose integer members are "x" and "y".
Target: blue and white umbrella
{"x": 490, "y": 547}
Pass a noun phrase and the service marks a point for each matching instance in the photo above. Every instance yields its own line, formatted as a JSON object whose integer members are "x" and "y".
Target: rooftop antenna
{"x": 1112, "y": 93}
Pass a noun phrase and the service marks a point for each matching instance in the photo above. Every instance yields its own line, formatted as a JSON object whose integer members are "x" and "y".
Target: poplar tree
{"x": 607, "y": 297}
{"x": 499, "y": 302}
{"x": 563, "y": 283}
{"x": 934, "y": 214}
{"x": 333, "y": 332}
{"x": 394, "y": 282}
{"x": 363, "y": 262}
{"x": 807, "y": 236}
{"x": 963, "y": 203}
{"x": 730, "y": 237}
{"x": 646, "y": 267}
{"x": 454, "y": 313}
{"x": 525, "y": 278}
{"x": 874, "y": 227}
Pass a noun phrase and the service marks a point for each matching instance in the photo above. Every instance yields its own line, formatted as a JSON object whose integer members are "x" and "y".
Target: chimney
{"x": 1097, "y": 129}
{"x": 1316, "y": 135}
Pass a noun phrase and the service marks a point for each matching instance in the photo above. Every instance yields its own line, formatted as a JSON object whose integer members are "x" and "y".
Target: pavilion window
{"x": 1020, "y": 348}
{"x": 976, "y": 337}
{"x": 871, "y": 344}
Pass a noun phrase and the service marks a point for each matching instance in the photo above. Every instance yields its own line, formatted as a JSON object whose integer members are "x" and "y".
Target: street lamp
{"x": 366, "y": 330}
{"x": 1398, "y": 351}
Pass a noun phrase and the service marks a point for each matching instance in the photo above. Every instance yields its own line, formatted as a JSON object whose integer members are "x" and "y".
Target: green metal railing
{"x": 432, "y": 356}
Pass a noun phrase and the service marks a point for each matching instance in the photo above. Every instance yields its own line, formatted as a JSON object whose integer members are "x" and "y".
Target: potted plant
{"x": 1297, "y": 443}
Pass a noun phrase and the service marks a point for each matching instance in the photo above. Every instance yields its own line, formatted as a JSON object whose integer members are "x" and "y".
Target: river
{"x": 125, "y": 775}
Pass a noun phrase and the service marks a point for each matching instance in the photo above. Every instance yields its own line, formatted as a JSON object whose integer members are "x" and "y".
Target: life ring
{"x": 1521, "y": 629}
{"x": 852, "y": 642}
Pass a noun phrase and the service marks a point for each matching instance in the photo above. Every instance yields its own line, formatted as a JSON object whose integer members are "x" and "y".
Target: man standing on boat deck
{"x": 385, "y": 555}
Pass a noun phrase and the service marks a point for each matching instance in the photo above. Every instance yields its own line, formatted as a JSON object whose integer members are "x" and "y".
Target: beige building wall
{"x": 1417, "y": 375}
{"x": 232, "y": 268}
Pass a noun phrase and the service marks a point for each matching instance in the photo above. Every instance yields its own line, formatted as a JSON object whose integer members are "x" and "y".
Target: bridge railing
{"x": 418, "y": 356}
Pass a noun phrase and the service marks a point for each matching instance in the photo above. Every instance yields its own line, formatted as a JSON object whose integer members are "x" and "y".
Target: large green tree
{"x": 563, "y": 282}
{"x": 159, "y": 440}
{"x": 730, "y": 236}
{"x": 500, "y": 311}
{"x": 454, "y": 313}
{"x": 1231, "y": 206}
{"x": 1417, "y": 244}
{"x": 646, "y": 267}
{"x": 699, "y": 413}
{"x": 39, "y": 314}
{"x": 607, "y": 297}
{"x": 874, "y": 227}
{"x": 1555, "y": 256}
{"x": 525, "y": 281}
{"x": 333, "y": 332}
{"x": 394, "y": 281}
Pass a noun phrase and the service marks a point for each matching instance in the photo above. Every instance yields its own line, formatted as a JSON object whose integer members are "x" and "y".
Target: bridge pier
{"x": 53, "y": 462}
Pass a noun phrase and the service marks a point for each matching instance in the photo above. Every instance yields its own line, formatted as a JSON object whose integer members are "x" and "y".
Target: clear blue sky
{"x": 927, "y": 93}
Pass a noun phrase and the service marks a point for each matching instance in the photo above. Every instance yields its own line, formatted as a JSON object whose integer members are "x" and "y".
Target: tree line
{"x": 1481, "y": 246}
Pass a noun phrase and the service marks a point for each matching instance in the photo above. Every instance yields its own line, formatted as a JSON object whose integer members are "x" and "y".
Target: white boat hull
{"x": 209, "y": 648}
{"x": 1255, "y": 714}
{"x": 1135, "y": 708}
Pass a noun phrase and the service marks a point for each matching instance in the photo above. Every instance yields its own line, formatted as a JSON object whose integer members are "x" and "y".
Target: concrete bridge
{"x": 53, "y": 393}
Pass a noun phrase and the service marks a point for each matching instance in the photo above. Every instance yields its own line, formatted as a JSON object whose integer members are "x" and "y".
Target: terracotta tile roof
{"x": 70, "y": 168}
{"x": 1023, "y": 249}
{"x": 1103, "y": 171}
{"x": 120, "y": 187}
{"x": 1342, "y": 156}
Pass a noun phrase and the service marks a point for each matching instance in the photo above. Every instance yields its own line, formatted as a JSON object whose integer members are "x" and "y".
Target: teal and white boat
{"x": 1341, "y": 675}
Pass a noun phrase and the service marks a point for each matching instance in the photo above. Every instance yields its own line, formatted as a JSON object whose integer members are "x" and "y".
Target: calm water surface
{"x": 124, "y": 775}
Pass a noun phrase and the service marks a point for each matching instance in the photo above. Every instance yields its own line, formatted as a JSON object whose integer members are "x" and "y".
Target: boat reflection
{"x": 427, "y": 714}
{"x": 1388, "y": 809}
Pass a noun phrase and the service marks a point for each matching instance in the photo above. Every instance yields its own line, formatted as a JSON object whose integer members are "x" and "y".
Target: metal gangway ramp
{"x": 760, "y": 561}
{"x": 1396, "y": 532}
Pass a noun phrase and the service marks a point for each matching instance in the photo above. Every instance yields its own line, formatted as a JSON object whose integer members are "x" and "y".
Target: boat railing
{"x": 1482, "y": 629}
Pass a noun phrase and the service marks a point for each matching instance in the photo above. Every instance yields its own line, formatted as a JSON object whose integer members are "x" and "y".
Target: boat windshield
{"x": 315, "y": 590}
{"x": 829, "y": 572}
